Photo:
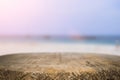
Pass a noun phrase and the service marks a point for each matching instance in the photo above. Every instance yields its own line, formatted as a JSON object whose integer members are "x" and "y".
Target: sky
{"x": 60, "y": 17}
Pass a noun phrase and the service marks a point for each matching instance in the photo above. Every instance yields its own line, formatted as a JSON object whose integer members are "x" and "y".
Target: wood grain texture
{"x": 59, "y": 66}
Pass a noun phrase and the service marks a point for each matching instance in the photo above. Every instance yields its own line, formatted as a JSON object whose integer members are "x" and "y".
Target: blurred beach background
{"x": 81, "y": 26}
{"x": 60, "y": 44}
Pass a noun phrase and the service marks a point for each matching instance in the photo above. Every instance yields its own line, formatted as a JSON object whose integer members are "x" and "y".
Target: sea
{"x": 104, "y": 40}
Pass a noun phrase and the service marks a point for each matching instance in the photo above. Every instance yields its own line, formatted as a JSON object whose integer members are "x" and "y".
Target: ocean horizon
{"x": 104, "y": 40}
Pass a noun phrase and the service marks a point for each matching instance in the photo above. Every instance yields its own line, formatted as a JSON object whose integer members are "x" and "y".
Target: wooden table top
{"x": 53, "y": 63}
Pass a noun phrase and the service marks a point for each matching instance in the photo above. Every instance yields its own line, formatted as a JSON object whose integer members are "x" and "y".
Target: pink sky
{"x": 59, "y": 16}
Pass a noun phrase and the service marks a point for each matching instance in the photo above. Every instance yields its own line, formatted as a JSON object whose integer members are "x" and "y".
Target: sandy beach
{"x": 11, "y": 47}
